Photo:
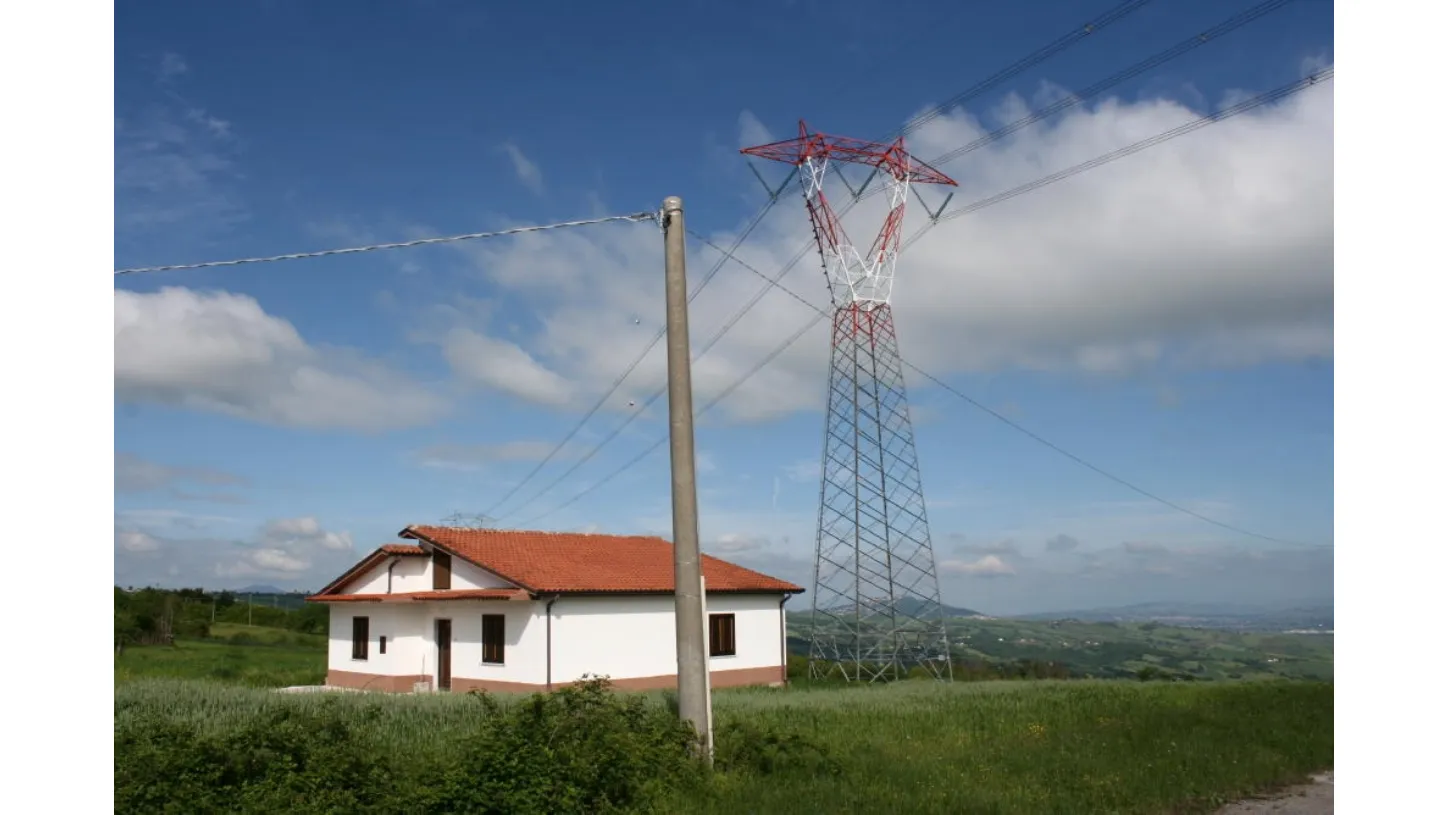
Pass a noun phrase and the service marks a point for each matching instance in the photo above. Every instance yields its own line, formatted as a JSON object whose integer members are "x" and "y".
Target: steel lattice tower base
{"x": 877, "y": 611}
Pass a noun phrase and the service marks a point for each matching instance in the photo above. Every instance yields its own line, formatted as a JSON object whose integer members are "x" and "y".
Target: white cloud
{"x": 275, "y": 560}
{"x": 293, "y": 533}
{"x": 503, "y": 365}
{"x": 525, "y": 168}
{"x": 296, "y": 551}
{"x": 473, "y": 456}
{"x": 135, "y": 474}
{"x": 222, "y": 353}
{"x": 1211, "y": 250}
{"x": 752, "y": 132}
{"x": 172, "y": 65}
{"x": 136, "y": 541}
{"x": 733, "y": 544}
{"x": 986, "y": 566}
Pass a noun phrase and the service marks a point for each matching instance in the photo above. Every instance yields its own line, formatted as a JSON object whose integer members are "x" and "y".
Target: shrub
{"x": 582, "y": 749}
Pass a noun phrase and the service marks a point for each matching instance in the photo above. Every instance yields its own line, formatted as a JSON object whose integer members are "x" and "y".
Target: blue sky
{"x": 1167, "y": 317}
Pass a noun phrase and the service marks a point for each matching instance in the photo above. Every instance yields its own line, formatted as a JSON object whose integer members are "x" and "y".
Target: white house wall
{"x": 524, "y": 640}
{"x": 633, "y": 637}
{"x": 402, "y": 625}
{"x": 621, "y": 637}
{"x": 409, "y": 573}
{"x": 467, "y": 576}
{"x": 412, "y": 573}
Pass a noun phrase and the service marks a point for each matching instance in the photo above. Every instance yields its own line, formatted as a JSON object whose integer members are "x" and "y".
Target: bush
{"x": 744, "y": 747}
{"x": 582, "y": 749}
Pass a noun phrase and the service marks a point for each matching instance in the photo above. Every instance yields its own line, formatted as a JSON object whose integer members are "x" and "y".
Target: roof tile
{"x": 555, "y": 562}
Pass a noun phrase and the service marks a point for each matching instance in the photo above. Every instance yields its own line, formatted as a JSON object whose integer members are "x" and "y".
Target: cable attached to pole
{"x": 378, "y": 247}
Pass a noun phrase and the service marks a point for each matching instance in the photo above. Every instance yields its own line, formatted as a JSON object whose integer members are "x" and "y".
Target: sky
{"x": 1167, "y": 317}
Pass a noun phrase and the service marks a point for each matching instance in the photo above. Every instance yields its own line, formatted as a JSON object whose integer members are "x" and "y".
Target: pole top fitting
{"x": 673, "y": 204}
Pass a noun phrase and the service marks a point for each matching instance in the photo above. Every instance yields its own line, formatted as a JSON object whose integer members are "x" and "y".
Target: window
{"x": 441, "y": 571}
{"x": 359, "y": 637}
{"x": 721, "y": 635}
{"x": 382, "y": 644}
{"x": 493, "y": 639}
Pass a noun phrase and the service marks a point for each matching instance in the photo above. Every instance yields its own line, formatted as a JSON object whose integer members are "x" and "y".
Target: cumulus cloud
{"x": 133, "y": 540}
{"x": 730, "y": 544}
{"x": 505, "y": 366}
{"x": 222, "y": 353}
{"x": 1207, "y": 251}
{"x": 999, "y": 547}
{"x": 291, "y": 533}
{"x": 201, "y": 550}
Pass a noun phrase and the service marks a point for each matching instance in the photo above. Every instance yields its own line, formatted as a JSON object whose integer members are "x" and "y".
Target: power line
{"x": 602, "y": 400}
{"x": 721, "y": 396}
{"x": 1035, "y": 58}
{"x": 1060, "y": 44}
{"x": 1086, "y": 94}
{"x": 654, "y": 397}
{"x": 377, "y": 247}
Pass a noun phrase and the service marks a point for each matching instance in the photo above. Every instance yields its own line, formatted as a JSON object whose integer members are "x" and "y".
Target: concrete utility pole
{"x": 693, "y": 660}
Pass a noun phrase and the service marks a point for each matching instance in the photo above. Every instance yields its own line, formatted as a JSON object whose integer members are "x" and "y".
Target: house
{"x": 461, "y": 609}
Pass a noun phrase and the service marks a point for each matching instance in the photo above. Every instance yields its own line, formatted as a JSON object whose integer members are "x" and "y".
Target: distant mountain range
{"x": 916, "y": 607}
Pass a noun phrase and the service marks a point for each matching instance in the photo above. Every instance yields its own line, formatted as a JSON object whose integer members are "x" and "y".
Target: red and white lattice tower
{"x": 876, "y": 609}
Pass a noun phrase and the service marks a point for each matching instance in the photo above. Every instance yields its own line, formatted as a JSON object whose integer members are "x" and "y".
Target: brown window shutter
{"x": 359, "y": 637}
{"x": 493, "y": 629}
{"x": 441, "y": 571}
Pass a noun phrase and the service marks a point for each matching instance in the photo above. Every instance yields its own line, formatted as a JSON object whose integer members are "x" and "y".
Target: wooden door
{"x": 444, "y": 654}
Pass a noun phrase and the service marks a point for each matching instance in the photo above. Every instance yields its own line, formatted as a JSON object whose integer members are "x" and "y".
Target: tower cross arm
{"x": 890, "y": 158}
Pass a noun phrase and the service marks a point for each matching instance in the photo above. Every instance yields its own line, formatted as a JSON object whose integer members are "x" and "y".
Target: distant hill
{"x": 1205, "y": 615}
{"x": 262, "y": 590}
{"x": 914, "y": 607}
{"x": 910, "y": 605}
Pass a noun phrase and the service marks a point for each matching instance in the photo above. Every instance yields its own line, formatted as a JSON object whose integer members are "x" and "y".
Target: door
{"x": 444, "y": 654}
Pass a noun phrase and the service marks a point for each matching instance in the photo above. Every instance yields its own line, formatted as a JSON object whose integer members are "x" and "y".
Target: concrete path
{"x": 1306, "y": 799}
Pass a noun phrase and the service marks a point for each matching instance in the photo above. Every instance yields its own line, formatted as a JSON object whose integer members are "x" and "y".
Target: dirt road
{"x": 1307, "y": 799}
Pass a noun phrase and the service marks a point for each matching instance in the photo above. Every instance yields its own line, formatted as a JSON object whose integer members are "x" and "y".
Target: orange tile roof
{"x": 402, "y": 549}
{"x": 555, "y": 562}
{"x": 424, "y": 596}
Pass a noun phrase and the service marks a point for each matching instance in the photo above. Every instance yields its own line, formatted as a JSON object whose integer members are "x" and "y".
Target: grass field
{"x": 256, "y": 657}
{"x": 988, "y": 747}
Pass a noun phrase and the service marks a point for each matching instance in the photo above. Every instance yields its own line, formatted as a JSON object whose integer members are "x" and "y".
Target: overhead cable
{"x": 377, "y": 247}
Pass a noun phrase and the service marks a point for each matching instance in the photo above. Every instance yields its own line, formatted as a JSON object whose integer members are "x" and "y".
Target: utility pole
{"x": 693, "y": 664}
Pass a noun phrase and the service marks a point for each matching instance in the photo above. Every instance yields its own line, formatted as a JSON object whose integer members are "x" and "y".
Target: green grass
{"x": 258, "y": 664}
{"x": 988, "y": 747}
{"x": 242, "y": 634}
{"x": 1045, "y": 747}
